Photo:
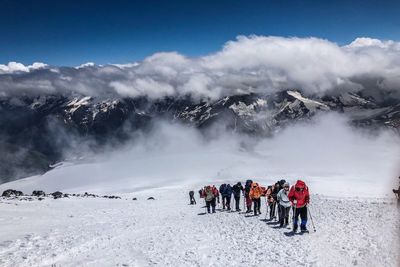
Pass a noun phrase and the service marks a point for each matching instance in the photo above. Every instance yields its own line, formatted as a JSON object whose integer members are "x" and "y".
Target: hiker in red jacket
{"x": 299, "y": 196}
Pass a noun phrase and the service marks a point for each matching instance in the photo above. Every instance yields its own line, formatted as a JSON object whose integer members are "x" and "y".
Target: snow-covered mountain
{"x": 35, "y": 130}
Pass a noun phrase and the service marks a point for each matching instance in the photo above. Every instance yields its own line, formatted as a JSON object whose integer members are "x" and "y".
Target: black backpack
{"x": 222, "y": 188}
{"x": 248, "y": 185}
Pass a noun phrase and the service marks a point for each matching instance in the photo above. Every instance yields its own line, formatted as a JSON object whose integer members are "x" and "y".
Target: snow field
{"x": 169, "y": 232}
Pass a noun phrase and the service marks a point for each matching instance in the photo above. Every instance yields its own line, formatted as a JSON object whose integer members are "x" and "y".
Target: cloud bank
{"x": 332, "y": 157}
{"x": 248, "y": 64}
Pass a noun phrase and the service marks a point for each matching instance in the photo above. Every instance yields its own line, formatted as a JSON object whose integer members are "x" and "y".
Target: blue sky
{"x": 75, "y": 32}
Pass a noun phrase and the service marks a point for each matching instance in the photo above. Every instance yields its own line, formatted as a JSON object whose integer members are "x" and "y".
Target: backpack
{"x": 255, "y": 191}
{"x": 248, "y": 185}
{"x": 236, "y": 190}
{"x": 222, "y": 188}
{"x": 209, "y": 195}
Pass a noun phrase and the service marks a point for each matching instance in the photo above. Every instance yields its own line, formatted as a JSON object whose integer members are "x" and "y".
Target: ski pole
{"x": 312, "y": 221}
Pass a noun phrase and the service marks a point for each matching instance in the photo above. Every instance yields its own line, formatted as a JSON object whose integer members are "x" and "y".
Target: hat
{"x": 286, "y": 184}
{"x": 300, "y": 184}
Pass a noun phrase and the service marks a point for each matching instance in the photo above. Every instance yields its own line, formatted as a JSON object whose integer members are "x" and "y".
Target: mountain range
{"x": 35, "y": 131}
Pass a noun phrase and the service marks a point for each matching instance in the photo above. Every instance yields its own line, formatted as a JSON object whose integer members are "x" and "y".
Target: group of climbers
{"x": 279, "y": 197}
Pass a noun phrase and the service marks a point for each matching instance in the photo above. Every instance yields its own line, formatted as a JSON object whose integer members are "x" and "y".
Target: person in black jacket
{"x": 191, "y": 196}
{"x": 249, "y": 202}
{"x": 226, "y": 193}
{"x": 274, "y": 204}
{"x": 237, "y": 190}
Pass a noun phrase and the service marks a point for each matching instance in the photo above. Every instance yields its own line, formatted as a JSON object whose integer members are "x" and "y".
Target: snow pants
{"x": 283, "y": 215}
{"x": 272, "y": 206}
{"x": 226, "y": 202}
{"x": 302, "y": 212}
{"x": 192, "y": 200}
{"x": 211, "y": 204}
{"x": 237, "y": 202}
{"x": 257, "y": 205}
{"x": 248, "y": 203}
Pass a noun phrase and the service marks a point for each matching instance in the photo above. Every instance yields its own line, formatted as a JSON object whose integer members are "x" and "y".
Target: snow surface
{"x": 169, "y": 232}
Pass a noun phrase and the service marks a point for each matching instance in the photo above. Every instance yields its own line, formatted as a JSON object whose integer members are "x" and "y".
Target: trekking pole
{"x": 294, "y": 213}
{"x": 266, "y": 208}
{"x": 312, "y": 221}
{"x": 244, "y": 203}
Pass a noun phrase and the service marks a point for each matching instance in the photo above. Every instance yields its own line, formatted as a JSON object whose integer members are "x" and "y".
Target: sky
{"x": 69, "y": 33}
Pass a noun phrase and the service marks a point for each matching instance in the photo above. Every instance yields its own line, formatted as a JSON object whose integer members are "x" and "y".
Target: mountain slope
{"x": 52, "y": 125}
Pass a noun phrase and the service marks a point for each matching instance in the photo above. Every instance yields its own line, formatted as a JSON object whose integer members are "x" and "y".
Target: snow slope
{"x": 169, "y": 232}
{"x": 350, "y": 178}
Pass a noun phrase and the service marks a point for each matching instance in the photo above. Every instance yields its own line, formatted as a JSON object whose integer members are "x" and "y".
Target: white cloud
{"x": 143, "y": 86}
{"x": 86, "y": 65}
{"x": 370, "y": 42}
{"x": 12, "y": 67}
{"x": 248, "y": 64}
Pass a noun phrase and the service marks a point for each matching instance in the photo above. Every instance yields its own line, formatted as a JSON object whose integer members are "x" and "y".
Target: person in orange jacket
{"x": 255, "y": 195}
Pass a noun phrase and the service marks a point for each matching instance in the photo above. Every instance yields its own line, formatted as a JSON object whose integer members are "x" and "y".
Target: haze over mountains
{"x": 255, "y": 85}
